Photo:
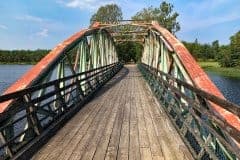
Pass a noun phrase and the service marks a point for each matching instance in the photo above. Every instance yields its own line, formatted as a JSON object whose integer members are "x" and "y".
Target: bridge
{"x": 80, "y": 102}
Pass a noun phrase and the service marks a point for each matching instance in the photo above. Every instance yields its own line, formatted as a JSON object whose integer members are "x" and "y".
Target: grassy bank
{"x": 223, "y": 71}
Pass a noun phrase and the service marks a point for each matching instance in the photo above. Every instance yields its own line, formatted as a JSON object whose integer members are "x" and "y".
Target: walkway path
{"x": 123, "y": 121}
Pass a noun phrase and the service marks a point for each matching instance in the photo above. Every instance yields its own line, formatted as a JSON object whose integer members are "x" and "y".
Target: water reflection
{"x": 229, "y": 87}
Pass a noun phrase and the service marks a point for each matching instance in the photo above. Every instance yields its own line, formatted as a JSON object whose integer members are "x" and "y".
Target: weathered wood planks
{"x": 123, "y": 121}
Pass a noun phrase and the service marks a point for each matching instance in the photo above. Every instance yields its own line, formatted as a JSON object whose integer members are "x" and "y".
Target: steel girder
{"x": 163, "y": 52}
{"x": 92, "y": 48}
{"x": 85, "y": 50}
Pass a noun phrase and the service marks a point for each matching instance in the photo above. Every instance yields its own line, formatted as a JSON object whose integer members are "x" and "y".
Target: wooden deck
{"x": 123, "y": 121}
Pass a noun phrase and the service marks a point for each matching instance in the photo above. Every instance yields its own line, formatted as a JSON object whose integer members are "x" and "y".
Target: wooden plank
{"x": 89, "y": 135}
{"x": 122, "y": 122}
{"x": 80, "y": 131}
{"x": 101, "y": 149}
{"x": 114, "y": 140}
{"x": 105, "y": 130}
{"x": 143, "y": 137}
{"x": 145, "y": 153}
{"x": 86, "y": 137}
{"x": 55, "y": 147}
{"x": 114, "y": 146}
{"x": 167, "y": 135}
{"x": 124, "y": 138}
{"x": 59, "y": 137}
{"x": 134, "y": 149}
{"x": 154, "y": 143}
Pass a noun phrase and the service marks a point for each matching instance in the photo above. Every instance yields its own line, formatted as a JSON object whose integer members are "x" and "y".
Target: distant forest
{"x": 22, "y": 56}
{"x": 225, "y": 55}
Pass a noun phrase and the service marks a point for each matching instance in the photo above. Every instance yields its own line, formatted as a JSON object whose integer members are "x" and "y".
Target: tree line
{"x": 225, "y": 55}
{"x": 22, "y": 56}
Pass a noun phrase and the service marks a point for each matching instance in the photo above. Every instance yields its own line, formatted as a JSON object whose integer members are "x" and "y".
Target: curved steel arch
{"x": 90, "y": 49}
{"x": 93, "y": 48}
{"x": 192, "y": 72}
{"x": 167, "y": 55}
{"x": 158, "y": 37}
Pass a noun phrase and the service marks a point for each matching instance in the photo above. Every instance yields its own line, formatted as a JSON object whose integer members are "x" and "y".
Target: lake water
{"x": 10, "y": 73}
{"x": 229, "y": 87}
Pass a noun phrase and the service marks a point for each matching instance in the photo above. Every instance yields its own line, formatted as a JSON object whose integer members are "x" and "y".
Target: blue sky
{"x": 32, "y": 24}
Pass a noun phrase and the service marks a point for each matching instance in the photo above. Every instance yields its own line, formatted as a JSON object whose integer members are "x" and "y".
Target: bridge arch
{"x": 91, "y": 51}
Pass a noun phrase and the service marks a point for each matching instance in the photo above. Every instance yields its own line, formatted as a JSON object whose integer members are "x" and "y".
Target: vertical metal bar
{"x": 32, "y": 115}
{"x": 7, "y": 149}
{"x": 79, "y": 89}
{"x": 60, "y": 104}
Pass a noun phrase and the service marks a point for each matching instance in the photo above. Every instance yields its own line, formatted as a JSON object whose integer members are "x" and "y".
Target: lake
{"x": 10, "y": 73}
{"x": 229, "y": 87}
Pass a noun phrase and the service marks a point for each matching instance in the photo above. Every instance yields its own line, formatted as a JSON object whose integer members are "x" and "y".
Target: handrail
{"x": 32, "y": 116}
{"x": 187, "y": 105}
{"x": 231, "y": 107}
{"x": 75, "y": 46}
{"x": 9, "y": 96}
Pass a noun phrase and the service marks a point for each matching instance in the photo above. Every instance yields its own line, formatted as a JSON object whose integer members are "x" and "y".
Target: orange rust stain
{"x": 198, "y": 76}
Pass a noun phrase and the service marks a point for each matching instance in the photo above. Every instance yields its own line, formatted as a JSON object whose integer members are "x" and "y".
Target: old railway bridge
{"x": 80, "y": 102}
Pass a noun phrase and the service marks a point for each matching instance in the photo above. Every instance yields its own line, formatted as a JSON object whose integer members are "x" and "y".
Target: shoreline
{"x": 212, "y": 66}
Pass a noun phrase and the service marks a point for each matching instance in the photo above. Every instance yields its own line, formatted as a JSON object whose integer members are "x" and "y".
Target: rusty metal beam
{"x": 128, "y": 34}
{"x": 129, "y": 40}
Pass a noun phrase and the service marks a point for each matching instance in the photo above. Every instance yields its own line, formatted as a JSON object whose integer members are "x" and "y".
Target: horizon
{"x": 43, "y": 24}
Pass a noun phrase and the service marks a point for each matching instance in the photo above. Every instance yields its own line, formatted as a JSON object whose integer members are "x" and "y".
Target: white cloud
{"x": 86, "y": 4}
{"x": 43, "y": 33}
{"x": 3, "y": 26}
{"x": 30, "y": 18}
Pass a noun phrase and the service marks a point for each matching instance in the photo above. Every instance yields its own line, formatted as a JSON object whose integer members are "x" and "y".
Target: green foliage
{"x": 229, "y": 55}
{"x": 215, "y": 48}
{"x": 129, "y": 51}
{"x": 164, "y": 15}
{"x": 109, "y": 13}
{"x": 214, "y": 66}
{"x": 22, "y": 56}
{"x": 225, "y": 55}
{"x": 235, "y": 50}
{"x": 202, "y": 51}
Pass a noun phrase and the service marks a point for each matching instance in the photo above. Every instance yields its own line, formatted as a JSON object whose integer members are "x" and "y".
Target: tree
{"x": 235, "y": 49}
{"x": 215, "y": 49}
{"x": 129, "y": 51}
{"x": 164, "y": 15}
{"x": 205, "y": 51}
{"x": 224, "y": 56}
{"x": 22, "y": 56}
{"x": 109, "y": 14}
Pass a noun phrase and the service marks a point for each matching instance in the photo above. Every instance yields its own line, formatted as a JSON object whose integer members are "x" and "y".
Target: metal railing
{"x": 37, "y": 112}
{"x": 207, "y": 135}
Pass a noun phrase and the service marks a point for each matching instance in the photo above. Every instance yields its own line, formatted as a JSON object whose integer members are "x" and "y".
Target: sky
{"x": 42, "y": 24}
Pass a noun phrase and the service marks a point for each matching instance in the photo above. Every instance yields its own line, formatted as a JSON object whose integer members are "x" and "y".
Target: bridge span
{"x": 80, "y": 102}
{"x": 123, "y": 121}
